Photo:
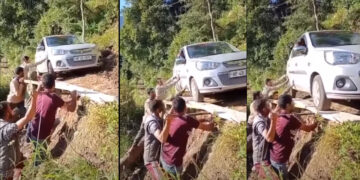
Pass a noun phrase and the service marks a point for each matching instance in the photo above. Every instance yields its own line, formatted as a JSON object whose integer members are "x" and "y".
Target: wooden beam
{"x": 83, "y": 92}
{"x": 335, "y": 116}
{"x": 222, "y": 112}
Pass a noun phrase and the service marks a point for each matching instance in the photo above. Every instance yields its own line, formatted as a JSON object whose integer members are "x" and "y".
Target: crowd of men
{"x": 29, "y": 107}
{"x": 164, "y": 135}
{"x": 272, "y": 130}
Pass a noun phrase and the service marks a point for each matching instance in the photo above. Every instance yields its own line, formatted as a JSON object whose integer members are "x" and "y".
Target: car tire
{"x": 178, "y": 87}
{"x": 293, "y": 92}
{"x": 318, "y": 94}
{"x": 195, "y": 92}
{"x": 50, "y": 68}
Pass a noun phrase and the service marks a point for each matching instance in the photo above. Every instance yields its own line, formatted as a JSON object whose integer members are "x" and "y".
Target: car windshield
{"x": 331, "y": 39}
{"x": 209, "y": 49}
{"x": 61, "y": 40}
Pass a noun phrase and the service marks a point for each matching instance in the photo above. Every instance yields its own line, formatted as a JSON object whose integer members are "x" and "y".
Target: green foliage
{"x": 109, "y": 37}
{"x": 151, "y": 37}
{"x": 269, "y": 39}
{"x": 342, "y": 143}
{"x": 4, "y": 86}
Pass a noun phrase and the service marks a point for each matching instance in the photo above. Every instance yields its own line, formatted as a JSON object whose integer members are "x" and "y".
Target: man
{"x": 256, "y": 95}
{"x": 48, "y": 102}
{"x": 271, "y": 86}
{"x": 284, "y": 142}
{"x": 263, "y": 133}
{"x": 155, "y": 135}
{"x": 137, "y": 146}
{"x": 17, "y": 93}
{"x": 10, "y": 156}
{"x": 162, "y": 89}
{"x": 174, "y": 148}
{"x": 26, "y": 61}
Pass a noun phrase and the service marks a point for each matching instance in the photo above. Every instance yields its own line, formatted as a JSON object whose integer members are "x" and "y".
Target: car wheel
{"x": 178, "y": 87}
{"x": 318, "y": 95}
{"x": 195, "y": 92}
{"x": 293, "y": 92}
{"x": 50, "y": 68}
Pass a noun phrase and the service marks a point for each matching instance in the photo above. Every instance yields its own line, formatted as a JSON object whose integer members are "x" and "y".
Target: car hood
{"x": 351, "y": 48}
{"x": 223, "y": 57}
{"x": 74, "y": 46}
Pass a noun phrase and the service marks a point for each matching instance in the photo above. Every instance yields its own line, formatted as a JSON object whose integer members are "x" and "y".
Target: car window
{"x": 334, "y": 38}
{"x": 209, "y": 49}
{"x": 300, "y": 42}
{"x": 61, "y": 40}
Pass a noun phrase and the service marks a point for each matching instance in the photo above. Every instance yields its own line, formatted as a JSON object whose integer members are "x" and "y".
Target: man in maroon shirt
{"x": 47, "y": 104}
{"x": 283, "y": 144}
{"x": 174, "y": 148}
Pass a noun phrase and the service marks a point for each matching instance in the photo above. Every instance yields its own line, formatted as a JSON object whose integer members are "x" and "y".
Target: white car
{"x": 326, "y": 64}
{"x": 63, "y": 53}
{"x": 210, "y": 67}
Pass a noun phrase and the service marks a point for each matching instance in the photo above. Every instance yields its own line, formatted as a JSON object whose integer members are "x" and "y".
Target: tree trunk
{"x": 83, "y": 21}
{"x": 211, "y": 20}
{"x": 316, "y": 17}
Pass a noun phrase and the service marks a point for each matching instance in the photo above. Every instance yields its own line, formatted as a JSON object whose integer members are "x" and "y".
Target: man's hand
{"x": 273, "y": 116}
{"x": 73, "y": 94}
{"x": 21, "y": 80}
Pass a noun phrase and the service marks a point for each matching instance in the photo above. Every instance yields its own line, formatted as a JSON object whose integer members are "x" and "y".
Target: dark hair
{"x": 19, "y": 70}
{"x": 179, "y": 104}
{"x": 149, "y": 90}
{"x": 156, "y": 105}
{"x": 275, "y": 92}
{"x": 25, "y": 58}
{"x": 48, "y": 81}
{"x": 256, "y": 95}
{"x": 284, "y": 100}
{"x": 259, "y": 104}
{"x": 3, "y": 109}
{"x": 267, "y": 80}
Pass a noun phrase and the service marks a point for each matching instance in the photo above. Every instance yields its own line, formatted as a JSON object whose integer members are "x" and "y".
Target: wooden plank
{"x": 83, "y": 92}
{"x": 222, "y": 112}
{"x": 335, "y": 116}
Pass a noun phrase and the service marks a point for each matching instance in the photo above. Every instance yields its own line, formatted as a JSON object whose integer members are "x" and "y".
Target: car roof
{"x": 58, "y": 35}
{"x": 329, "y": 31}
{"x": 208, "y": 42}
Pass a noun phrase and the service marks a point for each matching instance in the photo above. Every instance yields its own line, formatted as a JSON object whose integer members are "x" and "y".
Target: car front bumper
{"x": 222, "y": 80}
{"x": 68, "y": 63}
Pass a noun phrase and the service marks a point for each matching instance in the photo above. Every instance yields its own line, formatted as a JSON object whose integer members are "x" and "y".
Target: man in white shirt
{"x": 17, "y": 93}
{"x": 161, "y": 89}
{"x": 271, "y": 86}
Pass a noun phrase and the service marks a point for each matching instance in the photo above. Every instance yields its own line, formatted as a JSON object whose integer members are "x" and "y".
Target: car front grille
{"x": 71, "y": 62}
{"x": 235, "y": 63}
{"x": 80, "y": 51}
{"x": 226, "y": 81}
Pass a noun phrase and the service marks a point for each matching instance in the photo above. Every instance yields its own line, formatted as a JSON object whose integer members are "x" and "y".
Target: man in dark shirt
{"x": 283, "y": 144}
{"x": 174, "y": 148}
{"x": 155, "y": 135}
{"x": 47, "y": 104}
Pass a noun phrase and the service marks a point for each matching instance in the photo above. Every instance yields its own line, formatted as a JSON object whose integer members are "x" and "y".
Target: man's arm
{"x": 309, "y": 127}
{"x": 269, "y": 135}
{"x": 206, "y": 126}
{"x": 30, "y": 113}
{"x": 19, "y": 88}
{"x": 282, "y": 78}
{"x": 173, "y": 81}
{"x": 71, "y": 104}
{"x": 35, "y": 64}
{"x": 272, "y": 88}
{"x": 163, "y": 135}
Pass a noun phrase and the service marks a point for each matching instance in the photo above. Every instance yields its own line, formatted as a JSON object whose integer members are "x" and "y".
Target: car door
{"x": 41, "y": 55}
{"x": 297, "y": 65}
{"x": 180, "y": 68}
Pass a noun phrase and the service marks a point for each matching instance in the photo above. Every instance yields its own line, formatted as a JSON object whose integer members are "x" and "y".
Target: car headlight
{"x": 204, "y": 65}
{"x": 340, "y": 57}
{"x": 58, "y": 52}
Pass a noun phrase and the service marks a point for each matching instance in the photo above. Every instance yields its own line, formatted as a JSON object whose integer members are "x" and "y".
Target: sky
{"x": 122, "y": 4}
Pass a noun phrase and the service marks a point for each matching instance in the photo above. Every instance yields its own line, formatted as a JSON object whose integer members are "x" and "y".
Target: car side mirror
{"x": 40, "y": 48}
{"x": 300, "y": 49}
{"x": 180, "y": 60}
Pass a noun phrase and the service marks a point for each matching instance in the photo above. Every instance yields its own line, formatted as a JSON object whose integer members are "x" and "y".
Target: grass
{"x": 5, "y": 79}
{"x": 228, "y": 154}
{"x": 337, "y": 153}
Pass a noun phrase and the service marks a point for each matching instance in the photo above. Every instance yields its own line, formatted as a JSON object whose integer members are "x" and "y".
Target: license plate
{"x": 82, "y": 58}
{"x": 237, "y": 73}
